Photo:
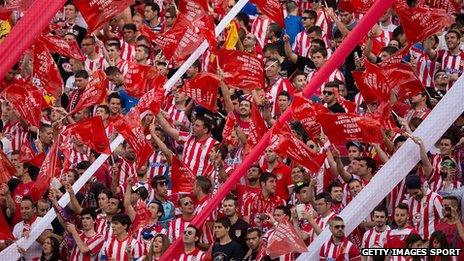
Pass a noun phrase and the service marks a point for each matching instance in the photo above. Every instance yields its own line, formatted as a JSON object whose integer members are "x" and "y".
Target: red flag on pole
{"x": 372, "y": 83}
{"x": 273, "y": 10}
{"x": 181, "y": 176}
{"x": 344, "y": 127}
{"x": 7, "y": 169}
{"x": 383, "y": 115}
{"x": 242, "y": 70}
{"x": 131, "y": 129}
{"x": 404, "y": 77}
{"x": 45, "y": 71}
{"x": 59, "y": 45}
{"x": 47, "y": 171}
{"x": 91, "y": 132}
{"x": 94, "y": 93}
{"x": 284, "y": 240}
{"x": 26, "y": 154}
{"x": 97, "y": 13}
{"x": 421, "y": 22}
{"x": 142, "y": 217}
{"x": 203, "y": 88}
{"x": 135, "y": 80}
{"x": 5, "y": 231}
{"x": 257, "y": 126}
{"x": 303, "y": 111}
{"x": 450, "y": 6}
{"x": 355, "y": 6}
{"x": 152, "y": 100}
{"x": 28, "y": 103}
{"x": 228, "y": 128}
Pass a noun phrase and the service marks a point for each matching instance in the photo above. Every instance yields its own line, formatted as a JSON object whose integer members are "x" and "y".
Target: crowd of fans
{"x": 423, "y": 211}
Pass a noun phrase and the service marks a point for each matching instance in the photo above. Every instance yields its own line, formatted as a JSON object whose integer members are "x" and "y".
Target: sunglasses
{"x": 167, "y": 17}
{"x": 312, "y": 146}
{"x": 188, "y": 203}
{"x": 339, "y": 226}
{"x": 304, "y": 18}
{"x": 327, "y": 93}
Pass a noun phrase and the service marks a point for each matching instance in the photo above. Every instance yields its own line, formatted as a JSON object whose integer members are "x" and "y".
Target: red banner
{"x": 7, "y": 169}
{"x": 355, "y": 6}
{"x": 303, "y": 111}
{"x": 241, "y": 70}
{"x": 59, "y": 45}
{"x": 228, "y": 128}
{"x": 273, "y": 10}
{"x": 421, "y": 22}
{"x": 284, "y": 240}
{"x": 47, "y": 171}
{"x": 26, "y": 154}
{"x": 152, "y": 100}
{"x": 131, "y": 129}
{"x": 28, "y": 103}
{"x": 45, "y": 71}
{"x": 372, "y": 83}
{"x": 450, "y": 6}
{"x": 203, "y": 88}
{"x": 94, "y": 93}
{"x": 344, "y": 127}
{"x": 135, "y": 80}
{"x": 257, "y": 126}
{"x": 404, "y": 77}
{"x": 182, "y": 177}
{"x": 91, "y": 132}
{"x": 383, "y": 115}
{"x": 97, "y": 13}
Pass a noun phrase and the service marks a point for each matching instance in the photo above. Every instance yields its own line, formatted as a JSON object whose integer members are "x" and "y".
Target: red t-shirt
{"x": 21, "y": 190}
{"x": 284, "y": 178}
{"x": 450, "y": 231}
{"x": 243, "y": 193}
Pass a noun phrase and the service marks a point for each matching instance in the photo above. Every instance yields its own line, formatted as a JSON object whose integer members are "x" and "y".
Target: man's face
{"x": 283, "y": 102}
{"x": 307, "y": 22}
{"x": 353, "y": 167}
{"x": 115, "y": 105}
{"x": 253, "y": 174}
{"x": 27, "y": 210}
{"x": 42, "y": 208}
{"x": 229, "y": 208}
{"x": 87, "y": 222}
{"x": 337, "y": 228}
{"x": 299, "y": 82}
{"x": 446, "y": 147}
{"x": 154, "y": 210}
{"x": 337, "y": 194}
{"x": 14, "y": 159}
{"x": 69, "y": 38}
{"x": 149, "y": 13}
{"x": 249, "y": 41}
{"x": 272, "y": 69}
{"x": 179, "y": 96}
{"x": 279, "y": 215}
{"x": 379, "y": 218}
{"x": 322, "y": 207}
{"x": 401, "y": 217}
{"x": 189, "y": 235}
{"x": 199, "y": 129}
{"x": 328, "y": 95}
{"x": 441, "y": 79}
{"x": 88, "y": 46}
{"x": 103, "y": 202}
{"x": 304, "y": 195}
{"x": 318, "y": 59}
{"x": 448, "y": 205}
{"x": 452, "y": 40}
{"x": 312, "y": 36}
{"x": 113, "y": 52}
{"x": 113, "y": 204}
{"x": 270, "y": 185}
{"x": 140, "y": 54}
{"x": 130, "y": 153}
{"x": 102, "y": 113}
{"x": 297, "y": 175}
{"x": 81, "y": 83}
{"x": 416, "y": 193}
{"x": 192, "y": 71}
{"x": 418, "y": 98}
{"x": 269, "y": 155}
{"x": 354, "y": 188}
{"x": 363, "y": 169}
{"x": 252, "y": 240}
{"x": 162, "y": 189}
{"x": 220, "y": 231}
{"x": 46, "y": 136}
{"x": 128, "y": 35}
{"x": 187, "y": 206}
{"x": 244, "y": 108}
{"x": 386, "y": 16}
{"x": 169, "y": 19}
{"x": 118, "y": 228}
{"x": 70, "y": 12}
{"x": 138, "y": 21}
{"x": 345, "y": 17}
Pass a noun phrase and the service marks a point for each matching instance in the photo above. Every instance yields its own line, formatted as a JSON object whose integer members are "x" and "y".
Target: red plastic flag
{"x": 94, "y": 93}
{"x": 404, "y": 77}
{"x": 287, "y": 145}
{"x": 421, "y": 22}
{"x": 383, "y": 115}
{"x": 203, "y": 88}
{"x": 355, "y": 6}
{"x": 47, "y": 171}
{"x": 59, "y": 45}
{"x": 349, "y": 106}
{"x": 284, "y": 240}
{"x": 303, "y": 111}
{"x": 344, "y": 127}
{"x": 135, "y": 80}
{"x": 7, "y": 169}
{"x": 273, "y": 10}
{"x": 26, "y": 154}
{"x": 91, "y": 132}
{"x": 372, "y": 83}
{"x": 182, "y": 177}
{"x": 5, "y": 231}
{"x": 257, "y": 126}
{"x": 97, "y": 13}
{"x": 220, "y": 6}
{"x": 152, "y": 100}
{"x": 450, "y": 6}
{"x": 131, "y": 129}
{"x": 228, "y": 128}
{"x": 242, "y": 70}
{"x": 28, "y": 103}
{"x": 142, "y": 217}
{"x": 45, "y": 71}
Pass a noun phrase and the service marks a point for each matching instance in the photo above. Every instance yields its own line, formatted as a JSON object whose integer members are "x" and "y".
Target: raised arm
{"x": 288, "y": 49}
{"x": 173, "y": 133}
{"x": 164, "y": 149}
{"x": 130, "y": 211}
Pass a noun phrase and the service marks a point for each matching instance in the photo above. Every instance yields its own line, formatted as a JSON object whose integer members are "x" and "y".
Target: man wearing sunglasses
{"x": 190, "y": 237}
{"x": 177, "y": 226}
{"x": 329, "y": 98}
{"x": 338, "y": 247}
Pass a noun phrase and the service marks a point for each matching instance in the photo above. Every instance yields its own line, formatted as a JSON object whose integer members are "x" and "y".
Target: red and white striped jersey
{"x": 451, "y": 63}
{"x": 126, "y": 169}
{"x": 396, "y": 196}
{"x": 341, "y": 251}
{"x": 259, "y": 29}
{"x": 94, "y": 243}
{"x": 286, "y": 257}
{"x": 400, "y": 234}
{"x": 322, "y": 222}
{"x": 207, "y": 234}
{"x": 195, "y": 154}
{"x": 257, "y": 205}
{"x": 103, "y": 227}
{"x": 127, "y": 51}
{"x": 281, "y": 84}
{"x": 15, "y": 133}
{"x": 195, "y": 255}
{"x": 323, "y": 21}
{"x": 156, "y": 166}
{"x": 76, "y": 156}
{"x": 304, "y": 5}
{"x": 153, "y": 229}
{"x": 123, "y": 66}
{"x": 109, "y": 130}
{"x": 176, "y": 228}
{"x": 426, "y": 213}
{"x": 116, "y": 249}
{"x": 96, "y": 64}
{"x": 335, "y": 75}
{"x": 175, "y": 114}
{"x": 381, "y": 41}
{"x": 374, "y": 239}
{"x": 302, "y": 44}
{"x": 426, "y": 69}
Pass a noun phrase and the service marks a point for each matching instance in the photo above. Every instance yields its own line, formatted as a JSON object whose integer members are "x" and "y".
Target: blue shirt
{"x": 128, "y": 101}
{"x": 293, "y": 26}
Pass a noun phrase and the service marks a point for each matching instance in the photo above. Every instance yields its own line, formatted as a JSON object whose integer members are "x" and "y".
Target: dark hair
{"x": 320, "y": 50}
{"x": 319, "y": 42}
{"x": 56, "y": 250}
{"x": 130, "y": 26}
{"x": 81, "y": 74}
{"x": 334, "y": 184}
{"x": 89, "y": 211}
{"x": 122, "y": 218}
{"x": 113, "y": 95}
{"x": 324, "y": 195}
{"x": 204, "y": 183}
{"x": 399, "y": 139}
{"x": 89, "y": 37}
{"x": 197, "y": 64}
{"x": 353, "y": 180}
{"x": 453, "y": 198}
{"x": 370, "y": 162}
{"x": 272, "y": 47}
{"x": 85, "y": 164}
{"x": 398, "y": 31}
{"x": 285, "y": 209}
{"x": 154, "y": 7}
{"x": 332, "y": 84}
{"x": 299, "y": 187}
{"x": 29, "y": 198}
{"x": 206, "y": 123}
{"x": 114, "y": 44}
{"x": 197, "y": 231}
{"x": 284, "y": 93}
{"x": 315, "y": 29}
{"x": 440, "y": 236}
{"x": 403, "y": 206}
{"x": 182, "y": 197}
{"x": 337, "y": 34}
{"x": 112, "y": 70}
{"x": 233, "y": 198}
{"x": 157, "y": 179}
{"x": 265, "y": 176}
{"x": 381, "y": 208}
{"x": 160, "y": 206}
{"x": 104, "y": 107}
{"x": 311, "y": 14}
{"x": 254, "y": 229}
{"x": 145, "y": 48}
{"x": 120, "y": 202}
{"x": 411, "y": 239}
{"x": 337, "y": 218}
{"x": 458, "y": 34}
{"x": 276, "y": 29}
{"x": 223, "y": 221}
{"x": 389, "y": 49}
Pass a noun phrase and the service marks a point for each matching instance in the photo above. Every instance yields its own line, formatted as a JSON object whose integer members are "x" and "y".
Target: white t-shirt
{"x": 36, "y": 249}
